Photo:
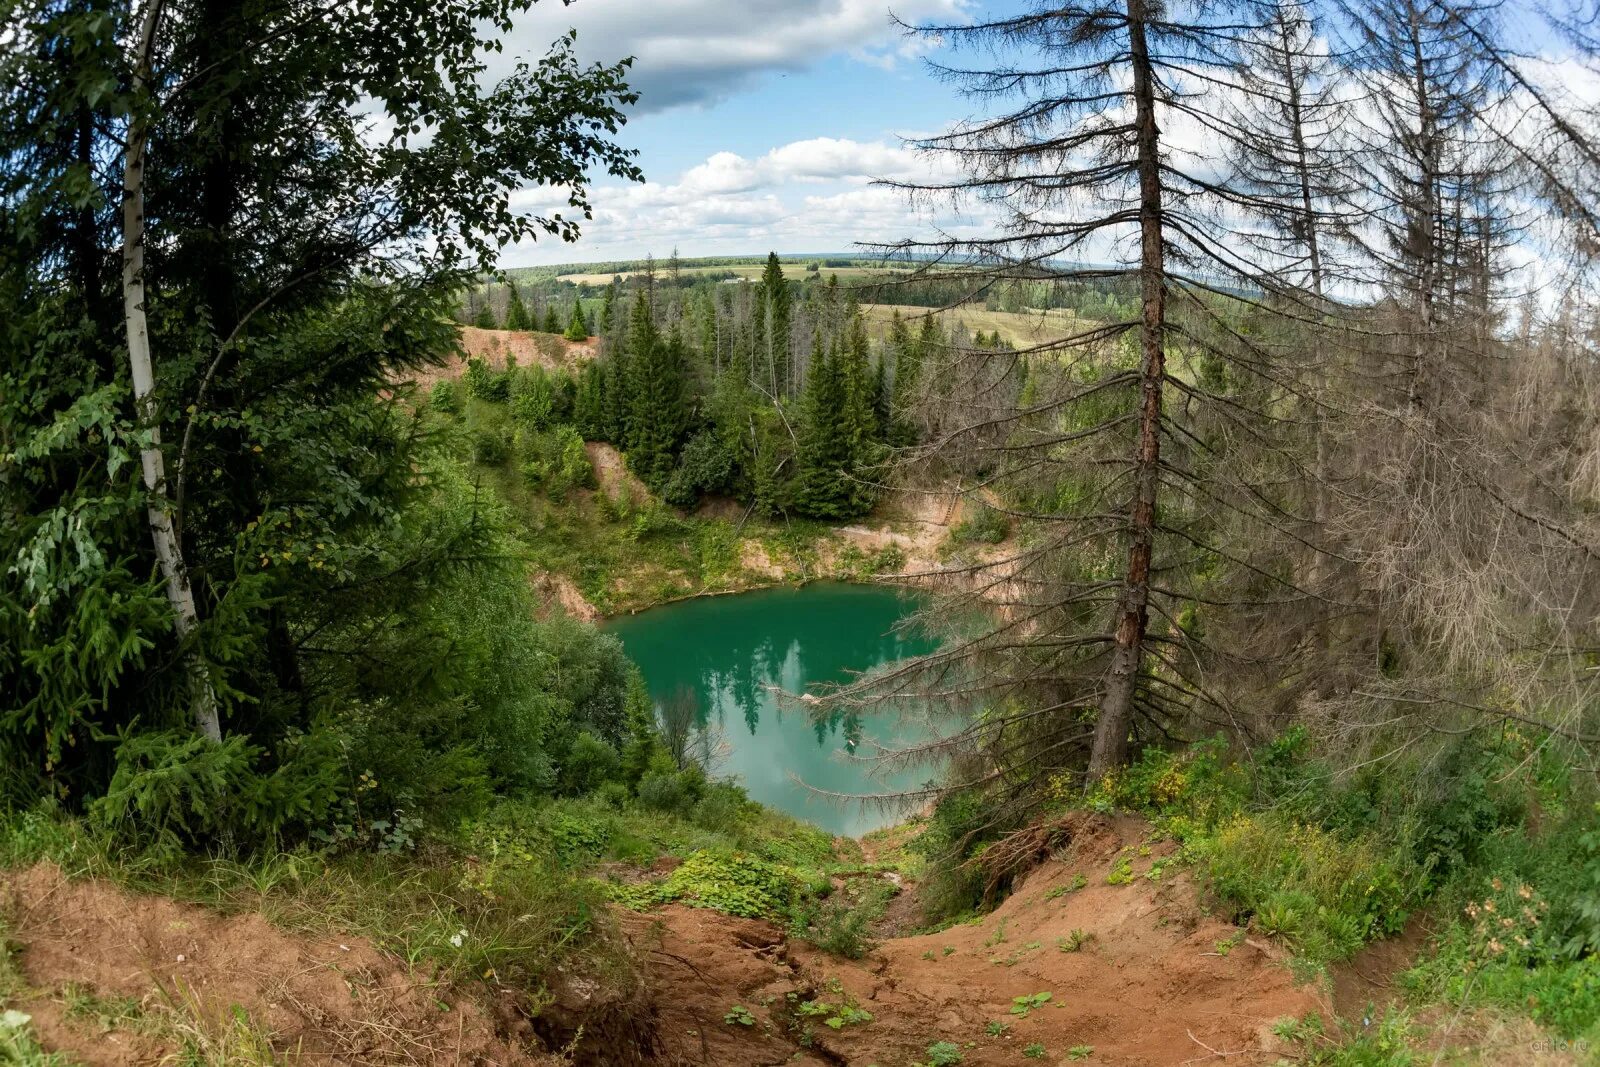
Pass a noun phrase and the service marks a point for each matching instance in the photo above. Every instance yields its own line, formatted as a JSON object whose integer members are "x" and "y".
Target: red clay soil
{"x": 548, "y": 350}
{"x": 194, "y": 970}
{"x": 1137, "y": 971}
{"x": 1157, "y": 981}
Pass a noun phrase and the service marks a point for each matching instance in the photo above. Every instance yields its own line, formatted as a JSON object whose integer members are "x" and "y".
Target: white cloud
{"x": 811, "y": 195}
{"x": 700, "y": 51}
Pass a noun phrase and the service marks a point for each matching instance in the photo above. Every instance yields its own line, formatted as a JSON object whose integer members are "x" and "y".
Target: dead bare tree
{"x": 1136, "y": 447}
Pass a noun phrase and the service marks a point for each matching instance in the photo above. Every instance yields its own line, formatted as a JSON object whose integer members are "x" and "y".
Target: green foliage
{"x": 483, "y": 384}
{"x": 175, "y": 790}
{"x": 577, "y": 326}
{"x": 728, "y": 881}
{"x": 557, "y": 463}
{"x": 834, "y": 1016}
{"x": 517, "y": 317}
{"x": 18, "y": 1046}
{"x": 739, "y": 1015}
{"x": 706, "y": 466}
{"x": 986, "y": 525}
{"x": 1022, "y": 1005}
{"x": 841, "y": 924}
{"x": 838, "y": 449}
{"x": 1034, "y": 1051}
{"x": 944, "y": 1054}
{"x": 443, "y": 397}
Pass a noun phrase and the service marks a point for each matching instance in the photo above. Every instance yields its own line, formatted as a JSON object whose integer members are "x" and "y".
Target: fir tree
{"x": 608, "y": 307}
{"x": 909, "y": 354}
{"x": 517, "y": 317}
{"x": 551, "y": 323}
{"x": 577, "y": 328}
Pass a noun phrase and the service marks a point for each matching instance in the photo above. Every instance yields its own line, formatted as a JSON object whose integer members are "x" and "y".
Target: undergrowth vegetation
{"x": 1490, "y": 839}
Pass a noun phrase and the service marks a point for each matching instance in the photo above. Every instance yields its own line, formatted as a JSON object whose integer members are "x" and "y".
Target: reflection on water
{"x": 737, "y": 654}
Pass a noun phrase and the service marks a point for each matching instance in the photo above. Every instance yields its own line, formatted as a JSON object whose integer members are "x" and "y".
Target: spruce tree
{"x": 577, "y": 328}
{"x": 774, "y": 317}
{"x": 880, "y": 399}
{"x": 822, "y": 487}
{"x": 909, "y": 356}
{"x": 660, "y": 414}
{"x": 589, "y": 407}
{"x": 551, "y": 323}
{"x": 484, "y": 319}
{"x": 608, "y": 308}
{"x": 617, "y": 395}
{"x": 517, "y": 317}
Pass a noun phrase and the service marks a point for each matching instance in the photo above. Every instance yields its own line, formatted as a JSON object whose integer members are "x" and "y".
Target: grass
{"x": 18, "y": 1046}
{"x": 1021, "y": 329}
{"x": 1493, "y": 835}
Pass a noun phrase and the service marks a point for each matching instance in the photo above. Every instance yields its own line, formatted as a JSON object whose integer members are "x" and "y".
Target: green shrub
{"x": 841, "y": 924}
{"x": 589, "y": 762}
{"x": 1329, "y": 895}
{"x": 490, "y": 446}
{"x": 733, "y": 882}
{"x": 483, "y": 384}
{"x": 556, "y": 462}
{"x": 444, "y": 397}
{"x": 986, "y": 526}
{"x": 173, "y": 790}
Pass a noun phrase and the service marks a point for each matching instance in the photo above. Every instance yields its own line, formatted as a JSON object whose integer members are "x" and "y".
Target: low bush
{"x": 841, "y": 923}
{"x": 986, "y": 525}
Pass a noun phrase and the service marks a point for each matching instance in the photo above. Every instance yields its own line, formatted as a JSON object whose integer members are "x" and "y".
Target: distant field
{"x": 793, "y": 269}
{"x": 1020, "y": 328}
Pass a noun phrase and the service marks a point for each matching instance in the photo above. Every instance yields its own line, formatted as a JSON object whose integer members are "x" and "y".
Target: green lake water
{"x": 734, "y": 653}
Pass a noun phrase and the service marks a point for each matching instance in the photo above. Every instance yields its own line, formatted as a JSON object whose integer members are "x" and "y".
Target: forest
{"x": 1241, "y": 473}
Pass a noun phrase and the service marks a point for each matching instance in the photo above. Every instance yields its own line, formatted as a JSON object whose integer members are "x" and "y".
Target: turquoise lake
{"x": 736, "y": 653}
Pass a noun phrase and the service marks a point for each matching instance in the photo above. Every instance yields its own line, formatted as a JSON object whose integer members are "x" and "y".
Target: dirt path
{"x": 1138, "y": 975}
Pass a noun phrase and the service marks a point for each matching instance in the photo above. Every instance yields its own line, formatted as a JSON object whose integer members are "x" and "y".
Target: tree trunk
{"x": 1116, "y": 705}
{"x": 168, "y": 554}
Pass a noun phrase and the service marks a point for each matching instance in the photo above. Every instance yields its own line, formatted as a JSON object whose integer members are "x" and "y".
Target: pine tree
{"x": 577, "y": 328}
{"x": 517, "y": 317}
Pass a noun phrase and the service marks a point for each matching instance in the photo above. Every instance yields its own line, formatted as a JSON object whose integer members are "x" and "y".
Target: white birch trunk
{"x": 162, "y": 533}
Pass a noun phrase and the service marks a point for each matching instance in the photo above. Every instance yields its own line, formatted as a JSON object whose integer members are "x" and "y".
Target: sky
{"x": 760, "y": 127}
{"x": 762, "y": 124}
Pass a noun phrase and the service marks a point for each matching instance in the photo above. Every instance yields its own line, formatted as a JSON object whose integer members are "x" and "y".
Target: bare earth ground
{"x": 187, "y": 970}
{"x": 1148, "y": 986}
{"x": 1138, "y": 972}
{"x": 548, "y": 350}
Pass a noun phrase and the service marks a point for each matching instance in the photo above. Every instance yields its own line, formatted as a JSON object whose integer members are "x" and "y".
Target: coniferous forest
{"x": 1135, "y": 602}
